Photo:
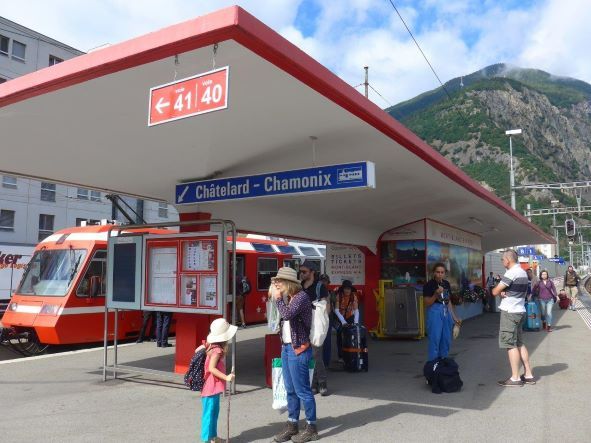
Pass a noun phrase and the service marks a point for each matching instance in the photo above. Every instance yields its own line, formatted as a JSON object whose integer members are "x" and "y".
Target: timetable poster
{"x": 199, "y": 255}
{"x": 163, "y": 265}
{"x": 208, "y": 291}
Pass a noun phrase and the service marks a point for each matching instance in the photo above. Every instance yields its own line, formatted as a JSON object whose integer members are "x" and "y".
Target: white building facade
{"x": 30, "y": 209}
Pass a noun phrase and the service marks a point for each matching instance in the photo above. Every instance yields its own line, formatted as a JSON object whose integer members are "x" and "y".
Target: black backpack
{"x": 443, "y": 375}
{"x": 194, "y": 377}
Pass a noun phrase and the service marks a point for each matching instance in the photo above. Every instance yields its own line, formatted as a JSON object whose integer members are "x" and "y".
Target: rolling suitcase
{"x": 564, "y": 302}
{"x": 532, "y": 320}
{"x": 354, "y": 339}
{"x": 272, "y": 350}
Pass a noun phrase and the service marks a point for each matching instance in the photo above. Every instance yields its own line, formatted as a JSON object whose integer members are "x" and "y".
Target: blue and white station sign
{"x": 360, "y": 175}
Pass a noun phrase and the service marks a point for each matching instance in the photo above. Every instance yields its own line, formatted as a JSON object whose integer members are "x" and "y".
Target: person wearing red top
{"x": 220, "y": 332}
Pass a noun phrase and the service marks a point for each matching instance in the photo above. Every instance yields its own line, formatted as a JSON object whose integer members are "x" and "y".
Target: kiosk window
{"x": 266, "y": 269}
{"x": 93, "y": 282}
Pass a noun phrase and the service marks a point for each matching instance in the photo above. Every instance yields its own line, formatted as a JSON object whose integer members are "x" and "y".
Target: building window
{"x": 82, "y": 194}
{"x": 53, "y": 60}
{"x": 8, "y": 181}
{"x": 95, "y": 196}
{"x": 47, "y": 192}
{"x": 163, "y": 210}
{"x": 4, "y": 45}
{"x": 18, "y": 50}
{"x": 45, "y": 225}
{"x": 6, "y": 220}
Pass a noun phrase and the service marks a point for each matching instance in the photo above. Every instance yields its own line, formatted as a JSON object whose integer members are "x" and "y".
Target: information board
{"x": 184, "y": 273}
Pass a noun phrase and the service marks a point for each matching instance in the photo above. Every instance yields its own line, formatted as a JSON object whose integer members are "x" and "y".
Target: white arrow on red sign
{"x": 161, "y": 104}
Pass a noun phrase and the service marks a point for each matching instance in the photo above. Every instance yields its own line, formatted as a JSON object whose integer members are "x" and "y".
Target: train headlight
{"x": 49, "y": 309}
{"x": 13, "y": 306}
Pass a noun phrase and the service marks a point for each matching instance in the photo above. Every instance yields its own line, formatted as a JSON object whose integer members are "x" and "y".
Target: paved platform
{"x": 62, "y": 398}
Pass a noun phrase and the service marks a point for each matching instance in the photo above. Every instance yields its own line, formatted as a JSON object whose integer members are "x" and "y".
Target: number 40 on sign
{"x": 189, "y": 96}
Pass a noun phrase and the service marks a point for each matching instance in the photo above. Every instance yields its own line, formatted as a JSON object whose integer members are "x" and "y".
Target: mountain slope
{"x": 469, "y": 128}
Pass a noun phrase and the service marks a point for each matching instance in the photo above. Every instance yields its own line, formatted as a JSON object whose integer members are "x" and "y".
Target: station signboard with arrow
{"x": 189, "y": 96}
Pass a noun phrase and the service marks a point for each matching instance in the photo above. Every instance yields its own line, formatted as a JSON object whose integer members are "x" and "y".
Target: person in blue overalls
{"x": 440, "y": 313}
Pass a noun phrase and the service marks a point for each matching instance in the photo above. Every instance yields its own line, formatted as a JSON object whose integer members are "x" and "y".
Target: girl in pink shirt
{"x": 220, "y": 332}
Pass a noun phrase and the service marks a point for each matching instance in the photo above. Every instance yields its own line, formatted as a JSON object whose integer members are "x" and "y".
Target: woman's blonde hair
{"x": 292, "y": 288}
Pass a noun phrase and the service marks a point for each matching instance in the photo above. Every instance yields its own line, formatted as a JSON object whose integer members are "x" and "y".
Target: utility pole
{"x": 511, "y": 132}
{"x": 366, "y": 83}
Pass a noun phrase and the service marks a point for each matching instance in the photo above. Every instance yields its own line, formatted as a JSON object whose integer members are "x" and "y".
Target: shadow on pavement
{"x": 340, "y": 424}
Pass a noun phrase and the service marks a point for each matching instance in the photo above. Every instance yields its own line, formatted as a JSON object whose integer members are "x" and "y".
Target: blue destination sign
{"x": 559, "y": 260}
{"x": 360, "y": 175}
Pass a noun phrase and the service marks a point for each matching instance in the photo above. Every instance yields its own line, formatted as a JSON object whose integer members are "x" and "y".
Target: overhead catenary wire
{"x": 426, "y": 59}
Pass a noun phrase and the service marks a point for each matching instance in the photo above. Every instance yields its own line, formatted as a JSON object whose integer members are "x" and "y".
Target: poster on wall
{"x": 345, "y": 263}
{"x": 463, "y": 265}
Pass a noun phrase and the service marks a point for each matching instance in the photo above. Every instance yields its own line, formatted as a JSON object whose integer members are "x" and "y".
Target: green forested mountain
{"x": 469, "y": 129}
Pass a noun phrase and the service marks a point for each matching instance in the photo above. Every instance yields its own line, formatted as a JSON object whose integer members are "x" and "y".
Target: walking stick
{"x": 228, "y": 412}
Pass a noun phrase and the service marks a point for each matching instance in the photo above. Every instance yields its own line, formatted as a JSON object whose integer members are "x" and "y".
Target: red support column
{"x": 372, "y": 275}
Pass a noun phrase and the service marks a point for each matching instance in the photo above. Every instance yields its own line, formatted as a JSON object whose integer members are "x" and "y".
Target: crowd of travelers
{"x": 295, "y": 295}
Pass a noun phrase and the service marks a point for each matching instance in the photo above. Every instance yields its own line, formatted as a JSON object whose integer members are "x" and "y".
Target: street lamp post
{"x": 511, "y": 132}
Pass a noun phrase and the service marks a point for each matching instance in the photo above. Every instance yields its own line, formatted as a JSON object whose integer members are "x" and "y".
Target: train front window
{"x": 51, "y": 272}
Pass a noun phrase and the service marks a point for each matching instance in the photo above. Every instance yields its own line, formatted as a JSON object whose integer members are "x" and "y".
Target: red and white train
{"x": 61, "y": 297}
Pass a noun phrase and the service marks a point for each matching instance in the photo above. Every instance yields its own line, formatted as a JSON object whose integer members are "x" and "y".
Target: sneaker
{"x": 323, "y": 389}
{"x": 309, "y": 434}
{"x": 166, "y": 345}
{"x": 549, "y": 329}
{"x": 243, "y": 325}
{"x": 528, "y": 381}
{"x": 291, "y": 429}
{"x": 510, "y": 383}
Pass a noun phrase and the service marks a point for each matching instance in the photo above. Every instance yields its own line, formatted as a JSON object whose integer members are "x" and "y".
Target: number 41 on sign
{"x": 189, "y": 96}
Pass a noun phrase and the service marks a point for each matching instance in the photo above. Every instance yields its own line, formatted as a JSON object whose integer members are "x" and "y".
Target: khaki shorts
{"x": 239, "y": 302}
{"x": 510, "y": 330}
{"x": 572, "y": 291}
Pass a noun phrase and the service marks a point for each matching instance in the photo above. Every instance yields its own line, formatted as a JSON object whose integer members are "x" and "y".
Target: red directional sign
{"x": 189, "y": 96}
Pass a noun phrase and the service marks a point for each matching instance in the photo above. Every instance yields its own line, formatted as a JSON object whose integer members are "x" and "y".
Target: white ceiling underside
{"x": 95, "y": 134}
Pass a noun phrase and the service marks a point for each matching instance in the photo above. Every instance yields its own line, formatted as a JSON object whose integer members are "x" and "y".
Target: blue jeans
{"x": 296, "y": 376}
{"x": 439, "y": 326}
{"x": 209, "y": 417}
{"x": 546, "y": 310}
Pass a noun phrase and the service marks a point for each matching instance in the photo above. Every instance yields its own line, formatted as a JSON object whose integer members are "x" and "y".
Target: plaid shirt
{"x": 299, "y": 315}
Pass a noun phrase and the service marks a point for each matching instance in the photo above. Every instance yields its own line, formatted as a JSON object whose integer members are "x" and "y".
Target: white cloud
{"x": 458, "y": 36}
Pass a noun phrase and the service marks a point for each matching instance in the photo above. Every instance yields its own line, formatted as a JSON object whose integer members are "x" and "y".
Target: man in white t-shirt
{"x": 513, "y": 290}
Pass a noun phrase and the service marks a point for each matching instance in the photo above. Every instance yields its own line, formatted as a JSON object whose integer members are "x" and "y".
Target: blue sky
{"x": 458, "y": 36}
